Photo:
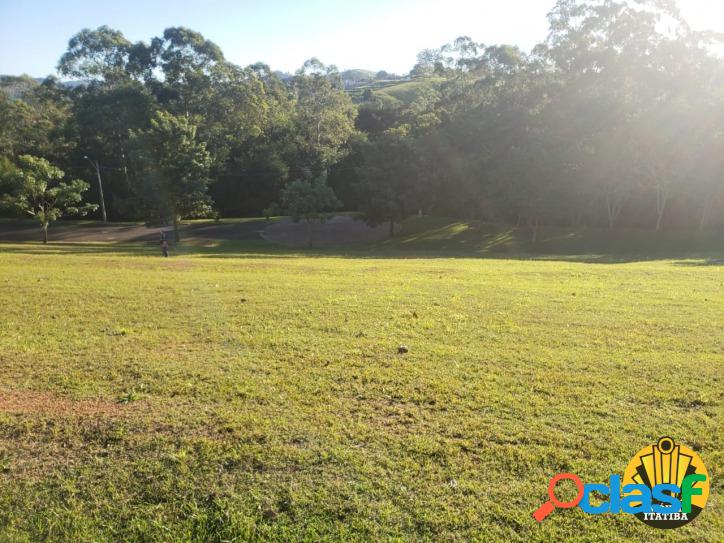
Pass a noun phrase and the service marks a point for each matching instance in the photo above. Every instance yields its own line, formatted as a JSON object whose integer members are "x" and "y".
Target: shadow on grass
{"x": 700, "y": 263}
{"x": 261, "y": 249}
{"x": 426, "y": 237}
{"x": 79, "y": 248}
{"x": 476, "y": 240}
{"x": 124, "y": 233}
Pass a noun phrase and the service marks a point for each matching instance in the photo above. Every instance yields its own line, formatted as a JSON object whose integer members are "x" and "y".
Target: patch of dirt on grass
{"x": 176, "y": 263}
{"x": 28, "y": 401}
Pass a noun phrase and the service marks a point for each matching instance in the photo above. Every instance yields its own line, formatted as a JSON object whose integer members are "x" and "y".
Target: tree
{"x": 172, "y": 169}
{"x": 38, "y": 122}
{"x": 10, "y": 123}
{"x": 105, "y": 114}
{"x": 386, "y": 180}
{"x": 324, "y": 117}
{"x": 100, "y": 54}
{"x": 619, "y": 109}
{"x": 311, "y": 201}
{"x": 186, "y": 55}
{"x": 35, "y": 188}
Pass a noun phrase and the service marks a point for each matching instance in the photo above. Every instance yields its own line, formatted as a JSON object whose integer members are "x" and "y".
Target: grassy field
{"x": 241, "y": 395}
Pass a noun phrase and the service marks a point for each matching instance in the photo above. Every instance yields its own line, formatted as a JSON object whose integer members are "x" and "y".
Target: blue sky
{"x": 371, "y": 34}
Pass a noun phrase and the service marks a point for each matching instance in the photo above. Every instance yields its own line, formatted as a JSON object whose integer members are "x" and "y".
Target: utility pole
{"x": 125, "y": 169}
{"x": 100, "y": 186}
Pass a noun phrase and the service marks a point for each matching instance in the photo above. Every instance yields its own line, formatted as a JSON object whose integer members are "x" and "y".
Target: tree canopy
{"x": 615, "y": 120}
{"x": 173, "y": 169}
{"x": 35, "y": 187}
{"x": 309, "y": 200}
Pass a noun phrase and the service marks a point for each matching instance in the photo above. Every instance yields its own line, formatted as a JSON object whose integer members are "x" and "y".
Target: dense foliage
{"x": 35, "y": 187}
{"x": 617, "y": 119}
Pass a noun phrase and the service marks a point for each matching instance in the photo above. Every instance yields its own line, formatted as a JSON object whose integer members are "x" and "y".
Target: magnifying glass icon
{"x": 547, "y": 508}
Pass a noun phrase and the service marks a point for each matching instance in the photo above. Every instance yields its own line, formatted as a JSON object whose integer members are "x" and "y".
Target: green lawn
{"x": 233, "y": 396}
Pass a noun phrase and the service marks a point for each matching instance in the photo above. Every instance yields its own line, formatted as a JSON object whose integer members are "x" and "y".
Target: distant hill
{"x": 389, "y": 86}
{"x": 358, "y": 75}
{"x": 355, "y": 78}
{"x": 15, "y": 85}
{"x": 395, "y": 92}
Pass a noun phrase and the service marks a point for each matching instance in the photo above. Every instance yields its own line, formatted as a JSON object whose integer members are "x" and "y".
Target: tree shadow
{"x": 254, "y": 250}
{"x": 443, "y": 240}
{"x": 118, "y": 233}
{"x": 700, "y": 263}
{"x": 79, "y": 248}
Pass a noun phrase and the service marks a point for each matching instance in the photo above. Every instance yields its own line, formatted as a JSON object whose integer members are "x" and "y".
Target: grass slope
{"x": 219, "y": 395}
{"x": 430, "y": 235}
{"x": 396, "y": 93}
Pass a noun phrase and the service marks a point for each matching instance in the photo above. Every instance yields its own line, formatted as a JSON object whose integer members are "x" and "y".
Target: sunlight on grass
{"x": 215, "y": 396}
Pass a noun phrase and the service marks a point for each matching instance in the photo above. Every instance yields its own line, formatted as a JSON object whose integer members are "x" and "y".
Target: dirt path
{"x": 125, "y": 232}
{"x": 340, "y": 230}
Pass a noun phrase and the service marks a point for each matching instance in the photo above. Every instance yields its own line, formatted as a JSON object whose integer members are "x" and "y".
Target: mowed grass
{"x": 235, "y": 397}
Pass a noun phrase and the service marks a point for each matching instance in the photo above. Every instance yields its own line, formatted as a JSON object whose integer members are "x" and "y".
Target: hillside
{"x": 396, "y": 92}
{"x": 447, "y": 235}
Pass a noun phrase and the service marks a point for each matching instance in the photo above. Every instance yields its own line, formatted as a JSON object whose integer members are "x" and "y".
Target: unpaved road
{"x": 340, "y": 230}
{"x": 125, "y": 232}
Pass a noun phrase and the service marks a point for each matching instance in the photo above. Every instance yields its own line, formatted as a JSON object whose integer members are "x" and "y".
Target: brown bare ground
{"x": 60, "y": 231}
{"x": 28, "y": 401}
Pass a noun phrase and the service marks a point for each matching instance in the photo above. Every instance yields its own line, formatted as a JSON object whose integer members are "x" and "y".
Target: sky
{"x": 369, "y": 34}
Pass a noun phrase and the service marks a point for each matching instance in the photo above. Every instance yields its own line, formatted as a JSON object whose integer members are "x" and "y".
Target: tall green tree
{"x": 104, "y": 116}
{"x": 386, "y": 180}
{"x": 323, "y": 118}
{"x": 38, "y": 121}
{"x": 100, "y": 54}
{"x": 35, "y": 187}
{"x": 312, "y": 201}
{"x": 172, "y": 169}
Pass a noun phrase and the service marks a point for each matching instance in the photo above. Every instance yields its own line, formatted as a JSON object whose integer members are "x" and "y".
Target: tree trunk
{"x": 534, "y": 237}
{"x": 310, "y": 231}
{"x": 45, "y": 233}
{"x": 609, "y": 212}
{"x": 661, "y": 200}
{"x": 176, "y": 235}
{"x": 392, "y": 228}
{"x": 704, "y": 215}
{"x": 100, "y": 191}
{"x": 614, "y": 205}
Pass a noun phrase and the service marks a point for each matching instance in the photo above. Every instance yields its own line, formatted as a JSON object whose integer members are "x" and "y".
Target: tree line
{"x": 615, "y": 120}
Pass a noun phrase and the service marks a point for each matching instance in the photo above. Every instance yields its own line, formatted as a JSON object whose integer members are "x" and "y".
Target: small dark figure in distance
{"x": 164, "y": 243}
